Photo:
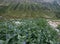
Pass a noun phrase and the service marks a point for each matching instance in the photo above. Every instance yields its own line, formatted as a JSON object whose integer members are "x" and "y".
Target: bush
{"x": 27, "y": 32}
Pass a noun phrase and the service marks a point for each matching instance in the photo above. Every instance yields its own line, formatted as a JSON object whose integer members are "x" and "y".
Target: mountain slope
{"x": 41, "y": 9}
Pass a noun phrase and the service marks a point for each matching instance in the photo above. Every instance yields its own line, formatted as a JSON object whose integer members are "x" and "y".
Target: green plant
{"x": 30, "y": 31}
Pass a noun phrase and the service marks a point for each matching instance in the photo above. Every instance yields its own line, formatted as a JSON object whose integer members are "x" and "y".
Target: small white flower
{"x": 18, "y": 23}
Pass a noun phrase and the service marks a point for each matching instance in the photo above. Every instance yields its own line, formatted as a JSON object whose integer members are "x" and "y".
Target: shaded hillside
{"x": 31, "y": 10}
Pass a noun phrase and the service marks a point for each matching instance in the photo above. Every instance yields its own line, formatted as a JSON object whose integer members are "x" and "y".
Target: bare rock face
{"x": 53, "y": 24}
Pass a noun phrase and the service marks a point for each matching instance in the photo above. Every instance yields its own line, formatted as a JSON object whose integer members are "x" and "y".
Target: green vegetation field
{"x": 26, "y": 23}
{"x": 25, "y": 10}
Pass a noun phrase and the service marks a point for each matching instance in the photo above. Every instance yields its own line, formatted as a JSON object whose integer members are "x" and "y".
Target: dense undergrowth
{"x": 28, "y": 31}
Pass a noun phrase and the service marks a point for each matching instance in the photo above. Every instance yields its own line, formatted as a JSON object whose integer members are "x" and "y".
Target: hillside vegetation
{"x": 27, "y": 31}
{"x": 26, "y": 23}
{"x": 30, "y": 10}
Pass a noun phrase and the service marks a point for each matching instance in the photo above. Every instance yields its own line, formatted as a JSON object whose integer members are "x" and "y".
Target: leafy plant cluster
{"x": 29, "y": 31}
